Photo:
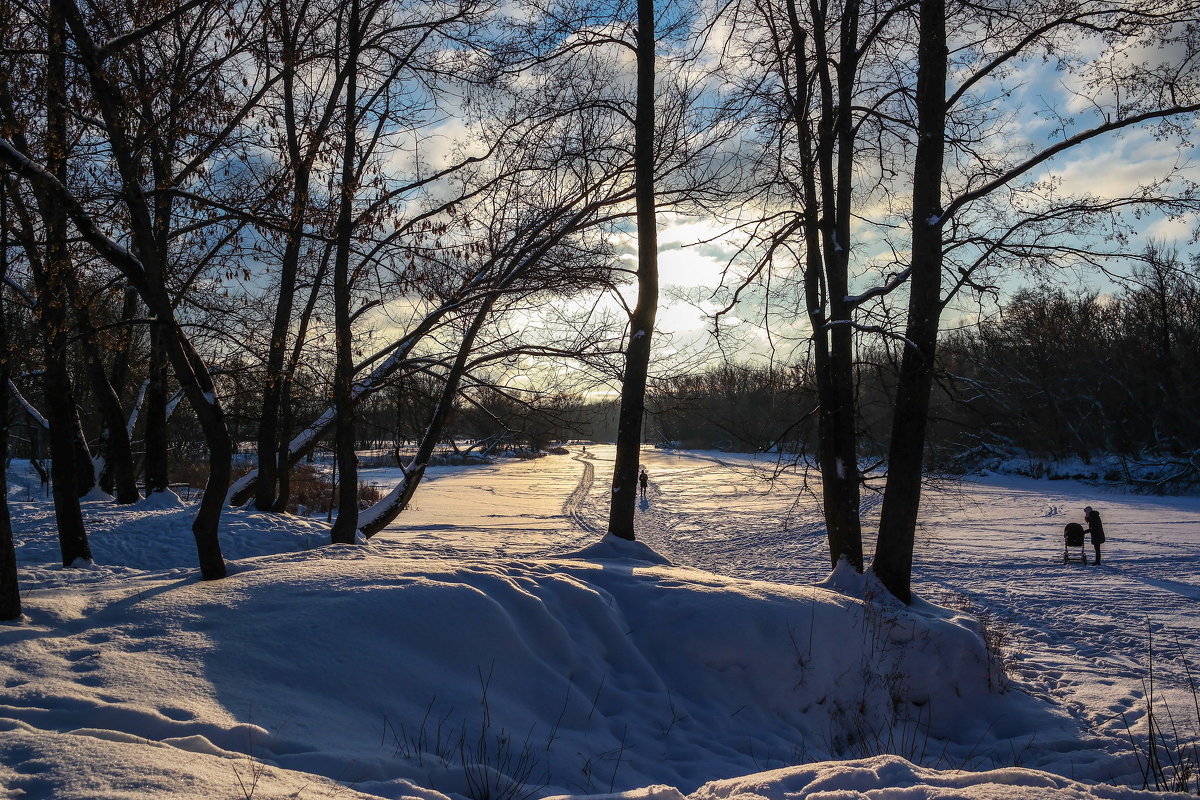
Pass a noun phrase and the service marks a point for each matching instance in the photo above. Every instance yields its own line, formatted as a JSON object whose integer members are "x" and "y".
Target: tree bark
{"x": 641, "y": 322}
{"x": 839, "y": 474}
{"x": 271, "y": 469}
{"x": 346, "y": 525}
{"x": 85, "y": 468}
{"x": 902, "y": 493}
{"x": 825, "y": 223}
{"x": 51, "y": 313}
{"x": 287, "y": 413}
{"x": 156, "y": 464}
{"x": 114, "y": 448}
{"x": 10, "y": 590}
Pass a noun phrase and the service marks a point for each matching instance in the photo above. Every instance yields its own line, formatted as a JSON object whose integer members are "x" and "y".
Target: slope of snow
{"x": 494, "y": 644}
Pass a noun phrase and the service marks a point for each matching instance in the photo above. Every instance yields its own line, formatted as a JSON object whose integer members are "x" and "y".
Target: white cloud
{"x": 1173, "y": 230}
{"x": 1115, "y": 165}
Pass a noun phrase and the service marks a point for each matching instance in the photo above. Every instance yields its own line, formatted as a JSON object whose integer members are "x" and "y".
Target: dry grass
{"x": 311, "y": 492}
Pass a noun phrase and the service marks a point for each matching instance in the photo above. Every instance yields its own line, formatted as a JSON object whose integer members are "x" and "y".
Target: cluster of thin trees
{"x": 333, "y": 198}
{"x": 1059, "y": 375}
{"x": 735, "y": 406}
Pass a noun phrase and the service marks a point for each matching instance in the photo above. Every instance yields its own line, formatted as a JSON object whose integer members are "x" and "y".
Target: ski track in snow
{"x": 573, "y": 506}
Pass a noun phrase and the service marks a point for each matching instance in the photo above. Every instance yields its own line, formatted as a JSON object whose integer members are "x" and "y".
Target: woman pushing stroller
{"x": 1073, "y": 535}
{"x": 1095, "y": 529}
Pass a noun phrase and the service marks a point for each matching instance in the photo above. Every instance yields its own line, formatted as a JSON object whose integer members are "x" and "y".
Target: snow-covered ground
{"x": 493, "y": 635}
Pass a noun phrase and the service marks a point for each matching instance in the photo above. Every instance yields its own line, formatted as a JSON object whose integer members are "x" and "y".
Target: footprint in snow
{"x": 1124, "y": 704}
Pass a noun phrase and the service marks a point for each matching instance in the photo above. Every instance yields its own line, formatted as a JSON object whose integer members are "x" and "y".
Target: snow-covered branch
{"x": 893, "y": 283}
{"x": 36, "y": 415}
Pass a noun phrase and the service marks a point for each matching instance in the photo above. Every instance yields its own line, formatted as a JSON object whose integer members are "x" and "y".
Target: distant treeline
{"x": 1058, "y": 376}
{"x": 1051, "y": 376}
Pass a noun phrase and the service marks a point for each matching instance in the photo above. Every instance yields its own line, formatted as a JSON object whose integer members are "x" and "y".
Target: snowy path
{"x": 1083, "y": 630}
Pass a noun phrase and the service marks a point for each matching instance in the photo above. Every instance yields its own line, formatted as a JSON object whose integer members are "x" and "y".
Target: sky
{"x": 695, "y": 252}
{"x": 1041, "y": 102}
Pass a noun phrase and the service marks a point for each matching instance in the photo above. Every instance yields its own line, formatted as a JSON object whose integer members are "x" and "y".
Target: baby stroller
{"x": 1073, "y": 537}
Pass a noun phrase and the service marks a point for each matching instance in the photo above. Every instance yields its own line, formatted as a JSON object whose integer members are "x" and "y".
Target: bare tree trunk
{"x": 10, "y": 591}
{"x": 202, "y": 397}
{"x": 641, "y": 322}
{"x": 346, "y": 525}
{"x": 85, "y": 469}
{"x": 826, "y": 229}
{"x": 902, "y": 494}
{"x": 839, "y": 405}
{"x": 270, "y": 468}
{"x": 287, "y": 415}
{"x": 277, "y": 417}
{"x": 156, "y": 464}
{"x": 109, "y": 480}
{"x": 283, "y": 476}
{"x": 120, "y": 370}
{"x": 114, "y": 448}
{"x": 51, "y": 314}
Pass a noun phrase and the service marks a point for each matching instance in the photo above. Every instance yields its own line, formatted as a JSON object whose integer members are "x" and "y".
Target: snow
{"x": 36, "y": 415}
{"x": 173, "y": 403}
{"x": 369, "y": 515}
{"x": 495, "y": 626}
{"x": 137, "y": 407}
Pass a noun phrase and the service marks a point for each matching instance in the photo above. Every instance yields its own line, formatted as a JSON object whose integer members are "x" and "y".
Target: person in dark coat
{"x": 1095, "y": 528}
{"x": 643, "y": 480}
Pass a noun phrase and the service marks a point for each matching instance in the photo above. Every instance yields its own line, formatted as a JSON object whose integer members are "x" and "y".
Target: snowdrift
{"x": 603, "y": 671}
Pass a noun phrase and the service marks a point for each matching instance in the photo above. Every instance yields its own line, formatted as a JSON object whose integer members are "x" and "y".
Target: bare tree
{"x": 113, "y": 449}
{"x": 829, "y": 85}
{"x": 913, "y": 189}
{"x": 673, "y": 149}
{"x": 10, "y": 592}
{"x": 531, "y": 252}
{"x": 641, "y": 319}
{"x": 50, "y": 263}
{"x": 346, "y": 525}
{"x": 147, "y": 266}
{"x": 1125, "y": 92}
{"x": 502, "y": 218}
{"x": 307, "y": 115}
